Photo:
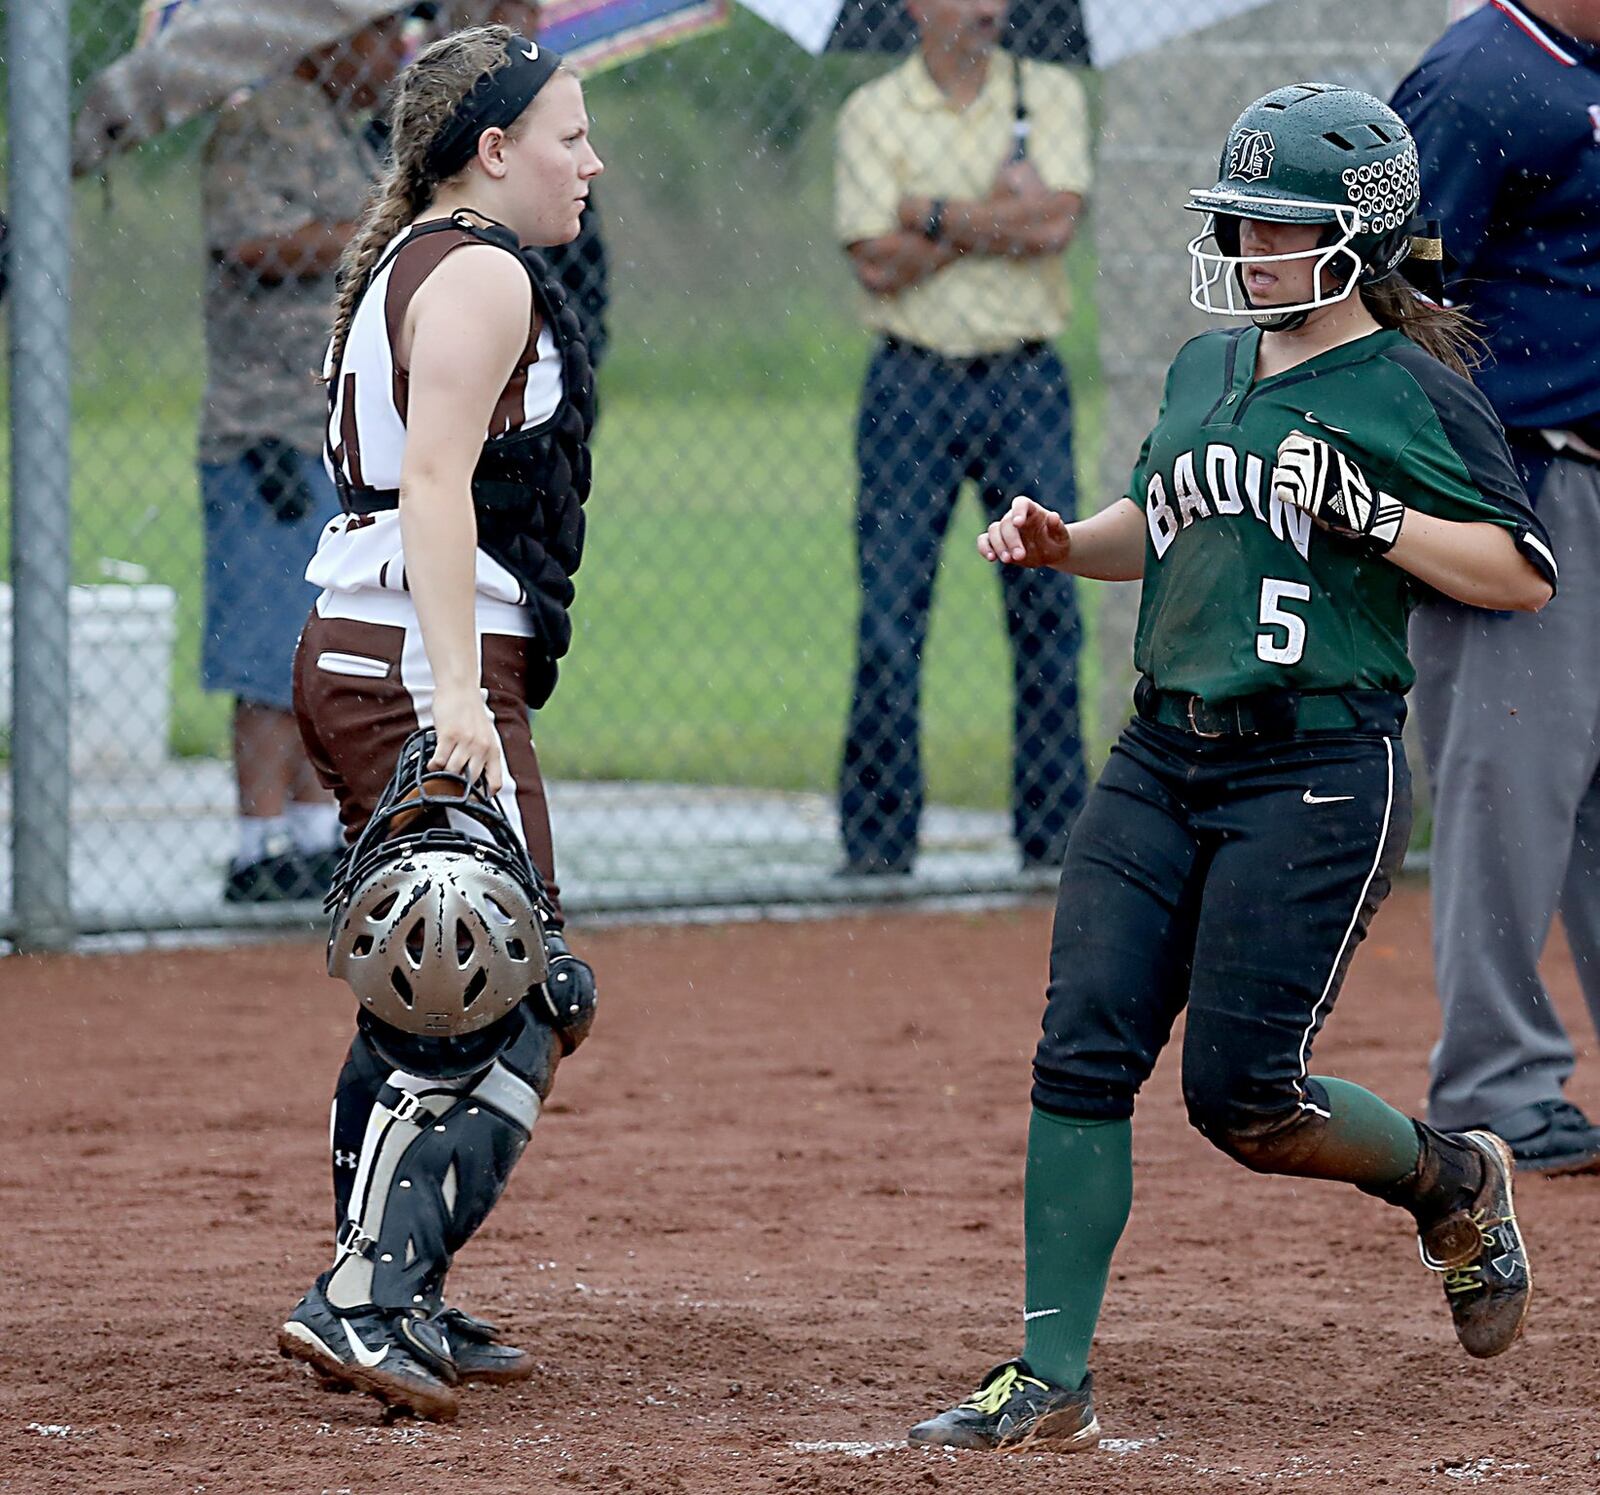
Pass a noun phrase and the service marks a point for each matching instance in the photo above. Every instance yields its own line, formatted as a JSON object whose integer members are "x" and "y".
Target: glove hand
{"x": 1318, "y": 478}
{"x": 569, "y": 992}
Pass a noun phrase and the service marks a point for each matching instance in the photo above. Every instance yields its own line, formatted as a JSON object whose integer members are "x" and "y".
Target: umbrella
{"x": 193, "y": 55}
{"x": 1118, "y": 29}
{"x": 596, "y": 34}
{"x": 1050, "y": 30}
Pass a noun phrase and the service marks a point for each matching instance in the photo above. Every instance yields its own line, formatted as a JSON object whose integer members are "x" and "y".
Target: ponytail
{"x": 1442, "y": 332}
{"x": 1411, "y": 300}
{"x": 394, "y": 202}
{"x": 426, "y": 96}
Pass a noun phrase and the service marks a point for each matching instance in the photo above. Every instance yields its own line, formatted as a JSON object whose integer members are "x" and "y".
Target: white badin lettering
{"x": 1252, "y": 484}
{"x": 1158, "y": 515}
{"x": 1291, "y": 524}
{"x": 1222, "y": 478}
{"x": 1191, "y": 502}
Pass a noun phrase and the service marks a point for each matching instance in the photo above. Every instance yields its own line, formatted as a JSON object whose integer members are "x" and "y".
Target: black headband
{"x": 496, "y": 101}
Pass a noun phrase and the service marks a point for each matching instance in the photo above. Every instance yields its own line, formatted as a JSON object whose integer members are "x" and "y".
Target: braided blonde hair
{"x": 426, "y": 94}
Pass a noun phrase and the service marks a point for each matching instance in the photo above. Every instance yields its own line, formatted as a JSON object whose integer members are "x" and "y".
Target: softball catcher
{"x": 1309, "y": 477}
{"x": 461, "y": 402}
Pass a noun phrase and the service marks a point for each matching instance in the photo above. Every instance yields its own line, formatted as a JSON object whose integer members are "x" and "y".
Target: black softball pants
{"x": 1234, "y": 877}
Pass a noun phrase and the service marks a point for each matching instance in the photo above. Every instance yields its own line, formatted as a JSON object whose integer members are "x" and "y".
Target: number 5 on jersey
{"x": 1273, "y": 615}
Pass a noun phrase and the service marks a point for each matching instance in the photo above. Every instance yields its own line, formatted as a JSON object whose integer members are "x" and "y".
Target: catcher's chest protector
{"x": 533, "y": 477}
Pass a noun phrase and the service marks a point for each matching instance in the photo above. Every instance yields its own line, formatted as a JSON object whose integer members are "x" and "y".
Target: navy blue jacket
{"x": 1506, "y": 114}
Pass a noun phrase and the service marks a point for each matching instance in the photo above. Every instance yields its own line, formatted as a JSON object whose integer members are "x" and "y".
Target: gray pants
{"x": 1510, "y": 714}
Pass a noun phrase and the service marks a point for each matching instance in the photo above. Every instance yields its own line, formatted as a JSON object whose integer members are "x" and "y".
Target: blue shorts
{"x": 257, "y": 597}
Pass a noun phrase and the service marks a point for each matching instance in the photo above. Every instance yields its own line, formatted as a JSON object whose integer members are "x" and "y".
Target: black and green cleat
{"x": 1013, "y": 1409}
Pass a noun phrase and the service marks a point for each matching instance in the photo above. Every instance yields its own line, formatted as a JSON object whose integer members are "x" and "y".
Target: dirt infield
{"x": 771, "y": 1217}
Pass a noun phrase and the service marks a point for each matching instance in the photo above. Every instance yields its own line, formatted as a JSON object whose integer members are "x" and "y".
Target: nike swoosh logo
{"x": 532, "y": 54}
{"x": 1039, "y": 1313}
{"x": 1325, "y": 799}
{"x": 367, "y": 1357}
{"x": 1337, "y": 430}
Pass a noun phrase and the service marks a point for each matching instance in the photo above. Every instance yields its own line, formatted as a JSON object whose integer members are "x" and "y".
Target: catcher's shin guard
{"x": 524, "y": 1044}
{"x": 435, "y": 1157}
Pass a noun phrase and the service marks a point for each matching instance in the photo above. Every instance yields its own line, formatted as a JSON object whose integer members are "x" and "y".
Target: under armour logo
{"x": 344, "y": 1159}
{"x": 1252, "y": 156}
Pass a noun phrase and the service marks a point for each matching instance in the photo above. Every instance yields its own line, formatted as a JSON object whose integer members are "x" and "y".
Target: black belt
{"x": 368, "y": 500}
{"x": 1534, "y": 454}
{"x": 979, "y": 365}
{"x": 1277, "y": 713}
{"x": 488, "y": 496}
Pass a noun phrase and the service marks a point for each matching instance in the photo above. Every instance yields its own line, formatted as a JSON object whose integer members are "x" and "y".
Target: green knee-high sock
{"x": 1367, "y": 1143}
{"x": 1076, "y": 1201}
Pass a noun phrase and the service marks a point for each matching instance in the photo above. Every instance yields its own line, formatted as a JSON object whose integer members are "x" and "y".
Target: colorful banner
{"x": 597, "y": 34}
{"x": 156, "y": 15}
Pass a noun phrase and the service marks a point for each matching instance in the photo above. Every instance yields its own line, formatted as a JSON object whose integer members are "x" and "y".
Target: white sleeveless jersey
{"x": 360, "y": 561}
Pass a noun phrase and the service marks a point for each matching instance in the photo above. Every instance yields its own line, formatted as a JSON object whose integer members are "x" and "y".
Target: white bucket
{"x": 120, "y": 680}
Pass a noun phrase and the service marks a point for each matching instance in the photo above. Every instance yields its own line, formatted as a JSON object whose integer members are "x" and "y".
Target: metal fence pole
{"x": 38, "y": 44}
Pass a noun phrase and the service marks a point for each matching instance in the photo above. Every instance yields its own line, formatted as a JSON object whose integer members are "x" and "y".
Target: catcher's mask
{"x": 438, "y": 914}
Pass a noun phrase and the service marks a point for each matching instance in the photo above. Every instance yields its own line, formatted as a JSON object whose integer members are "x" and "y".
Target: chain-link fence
{"x": 836, "y": 292}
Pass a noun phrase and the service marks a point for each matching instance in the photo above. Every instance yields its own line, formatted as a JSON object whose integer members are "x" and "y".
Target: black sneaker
{"x": 284, "y": 874}
{"x": 396, "y": 1356}
{"x": 875, "y": 867}
{"x": 1013, "y": 1409}
{"x": 274, "y": 878}
{"x": 1550, "y": 1137}
{"x": 478, "y": 1354}
{"x": 1479, "y": 1251}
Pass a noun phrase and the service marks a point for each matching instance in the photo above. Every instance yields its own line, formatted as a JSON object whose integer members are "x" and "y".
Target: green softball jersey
{"x": 1243, "y": 594}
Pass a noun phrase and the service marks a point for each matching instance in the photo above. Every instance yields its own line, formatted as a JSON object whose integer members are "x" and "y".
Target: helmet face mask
{"x": 438, "y": 913}
{"x": 1310, "y": 153}
{"x": 1215, "y": 272}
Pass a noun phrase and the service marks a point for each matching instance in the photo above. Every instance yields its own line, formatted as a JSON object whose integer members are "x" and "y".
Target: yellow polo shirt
{"x": 900, "y": 136}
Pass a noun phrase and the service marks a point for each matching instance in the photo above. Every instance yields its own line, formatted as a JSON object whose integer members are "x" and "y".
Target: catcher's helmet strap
{"x": 417, "y": 803}
{"x": 438, "y": 927}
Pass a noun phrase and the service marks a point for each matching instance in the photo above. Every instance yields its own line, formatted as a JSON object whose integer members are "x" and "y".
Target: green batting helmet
{"x": 1309, "y": 153}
